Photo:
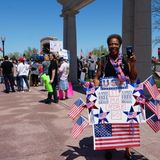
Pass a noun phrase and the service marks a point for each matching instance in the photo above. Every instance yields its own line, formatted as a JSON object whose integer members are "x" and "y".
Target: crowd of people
{"x": 19, "y": 74}
{"x": 86, "y": 67}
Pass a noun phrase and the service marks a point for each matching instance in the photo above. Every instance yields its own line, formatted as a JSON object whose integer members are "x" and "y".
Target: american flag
{"x": 81, "y": 53}
{"x": 140, "y": 100}
{"x": 90, "y": 105}
{"x": 132, "y": 115}
{"x": 121, "y": 135}
{"x": 79, "y": 126}
{"x": 90, "y": 90}
{"x": 86, "y": 84}
{"x": 151, "y": 86}
{"x": 154, "y": 106}
{"x": 77, "y": 108}
{"x": 154, "y": 123}
{"x": 139, "y": 88}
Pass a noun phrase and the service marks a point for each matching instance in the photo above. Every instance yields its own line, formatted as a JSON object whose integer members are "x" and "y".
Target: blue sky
{"x": 25, "y": 22}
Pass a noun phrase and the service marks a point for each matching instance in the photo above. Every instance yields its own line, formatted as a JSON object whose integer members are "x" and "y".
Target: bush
{"x": 158, "y": 83}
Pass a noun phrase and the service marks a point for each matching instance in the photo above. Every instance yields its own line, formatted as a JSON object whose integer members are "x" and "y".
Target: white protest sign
{"x": 55, "y": 46}
{"x": 116, "y": 103}
{"x": 63, "y": 53}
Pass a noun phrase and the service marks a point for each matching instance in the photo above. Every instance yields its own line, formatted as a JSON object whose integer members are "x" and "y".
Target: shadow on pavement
{"x": 79, "y": 88}
{"x": 85, "y": 150}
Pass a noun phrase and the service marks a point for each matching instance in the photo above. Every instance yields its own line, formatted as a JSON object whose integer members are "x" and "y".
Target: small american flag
{"x": 90, "y": 90}
{"x": 86, "y": 84}
{"x": 154, "y": 106}
{"x": 140, "y": 100}
{"x": 139, "y": 87}
{"x": 154, "y": 123}
{"x": 132, "y": 115}
{"x": 77, "y": 108}
{"x": 151, "y": 86}
{"x": 90, "y": 105}
{"x": 79, "y": 126}
{"x": 122, "y": 135}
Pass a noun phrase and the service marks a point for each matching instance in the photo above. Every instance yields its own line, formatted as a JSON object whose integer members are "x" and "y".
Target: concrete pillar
{"x": 69, "y": 11}
{"x": 136, "y": 31}
{"x": 70, "y": 41}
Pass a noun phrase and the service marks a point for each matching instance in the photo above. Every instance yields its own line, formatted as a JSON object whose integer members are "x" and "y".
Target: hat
{"x": 21, "y": 59}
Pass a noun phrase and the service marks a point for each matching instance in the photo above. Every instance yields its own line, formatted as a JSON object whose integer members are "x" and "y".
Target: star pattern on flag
{"x": 91, "y": 105}
{"x": 92, "y": 96}
{"x": 132, "y": 115}
{"x": 140, "y": 100}
{"x": 102, "y": 116}
{"x": 139, "y": 88}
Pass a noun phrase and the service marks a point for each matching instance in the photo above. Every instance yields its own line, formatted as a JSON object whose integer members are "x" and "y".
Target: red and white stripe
{"x": 123, "y": 135}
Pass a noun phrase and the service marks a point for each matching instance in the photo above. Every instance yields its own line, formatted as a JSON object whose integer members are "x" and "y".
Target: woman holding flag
{"x": 114, "y": 65}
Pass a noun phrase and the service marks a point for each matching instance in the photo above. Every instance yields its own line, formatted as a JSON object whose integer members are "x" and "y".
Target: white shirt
{"x": 64, "y": 71}
{"x": 23, "y": 69}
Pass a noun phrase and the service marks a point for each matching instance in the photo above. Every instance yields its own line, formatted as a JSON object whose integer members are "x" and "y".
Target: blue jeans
{"x": 25, "y": 78}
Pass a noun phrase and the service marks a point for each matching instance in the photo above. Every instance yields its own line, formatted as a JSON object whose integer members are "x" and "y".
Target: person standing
{"x": 46, "y": 64}
{"x": 23, "y": 71}
{"x": 7, "y": 71}
{"x": 91, "y": 67}
{"x": 15, "y": 73}
{"x": 53, "y": 74}
{"x": 63, "y": 76}
{"x": 114, "y": 65}
{"x": 35, "y": 73}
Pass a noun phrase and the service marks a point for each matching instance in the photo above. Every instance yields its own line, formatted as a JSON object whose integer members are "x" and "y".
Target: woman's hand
{"x": 132, "y": 58}
{"x": 51, "y": 81}
{"x": 96, "y": 82}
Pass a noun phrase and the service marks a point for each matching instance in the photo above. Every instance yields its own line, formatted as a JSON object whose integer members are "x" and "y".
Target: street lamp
{"x": 3, "y": 40}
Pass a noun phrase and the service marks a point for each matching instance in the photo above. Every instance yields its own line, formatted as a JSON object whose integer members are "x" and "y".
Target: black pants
{"x": 34, "y": 78}
{"x": 9, "y": 82}
{"x": 54, "y": 93}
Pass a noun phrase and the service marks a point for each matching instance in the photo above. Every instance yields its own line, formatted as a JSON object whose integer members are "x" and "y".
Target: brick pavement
{"x": 30, "y": 130}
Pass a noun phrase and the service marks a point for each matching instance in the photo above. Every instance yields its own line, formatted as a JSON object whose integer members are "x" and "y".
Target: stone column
{"x": 70, "y": 41}
{"x": 136, "y": 31}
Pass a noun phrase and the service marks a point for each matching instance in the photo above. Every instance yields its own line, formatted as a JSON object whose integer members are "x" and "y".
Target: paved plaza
{"x": 30, "y": 130}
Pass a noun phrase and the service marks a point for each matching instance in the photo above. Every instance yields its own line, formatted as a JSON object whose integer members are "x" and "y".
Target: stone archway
{"x": 134, "y": 31}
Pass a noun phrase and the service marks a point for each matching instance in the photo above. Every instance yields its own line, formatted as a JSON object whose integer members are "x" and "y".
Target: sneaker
{"x": 6, "y": 91}
{"x": 47, "y": 101}
{"x": 43, "y": 101}
{"x": 55, "y": 101}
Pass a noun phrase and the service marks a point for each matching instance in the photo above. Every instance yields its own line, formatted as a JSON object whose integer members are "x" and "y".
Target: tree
{"x": 14, "y": 55}
{"x": 29, "y": 52}
{"x": 98, "y": 52}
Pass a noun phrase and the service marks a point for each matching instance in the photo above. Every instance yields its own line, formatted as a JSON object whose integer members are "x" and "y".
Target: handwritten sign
{"x": 117, "y": 100}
